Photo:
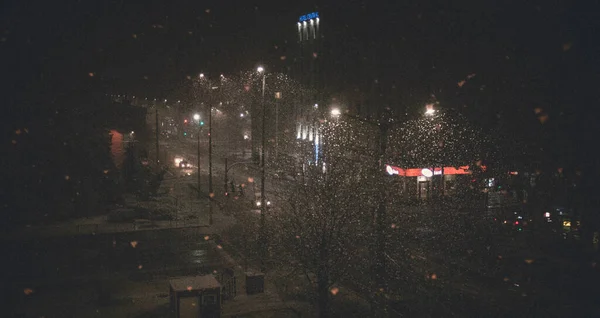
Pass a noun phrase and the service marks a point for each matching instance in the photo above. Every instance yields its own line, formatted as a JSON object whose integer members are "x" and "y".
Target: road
{"x": 246, "y": 174}
{"x": 53, "y": 266}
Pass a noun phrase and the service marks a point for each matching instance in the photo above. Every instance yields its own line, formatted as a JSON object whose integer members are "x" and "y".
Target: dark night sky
{"x": 524, "y": 54}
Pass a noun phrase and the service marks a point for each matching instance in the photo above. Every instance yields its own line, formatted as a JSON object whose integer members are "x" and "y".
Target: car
{"x": 184, "y": 164}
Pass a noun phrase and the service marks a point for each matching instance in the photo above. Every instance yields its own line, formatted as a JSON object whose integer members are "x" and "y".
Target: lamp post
{"x": 210, "y": 188}
{"x": 197, "y": 117}
{"x": 263, "y": 239}
{"x": 430, "y": 112}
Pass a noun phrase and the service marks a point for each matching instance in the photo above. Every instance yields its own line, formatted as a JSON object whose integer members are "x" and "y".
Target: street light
{"x": 201, "y": 75}
{"x": 429, "y": 110}
{"x": 336, "y": 112}
{"x": 196, "y": 117}
{"x": 262, "y": 205}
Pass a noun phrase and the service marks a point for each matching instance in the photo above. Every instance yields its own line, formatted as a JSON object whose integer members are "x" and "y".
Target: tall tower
{"x": 308, "y": 72}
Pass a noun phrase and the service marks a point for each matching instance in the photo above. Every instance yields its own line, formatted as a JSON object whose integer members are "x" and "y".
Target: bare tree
{"x": 324, "y": 222}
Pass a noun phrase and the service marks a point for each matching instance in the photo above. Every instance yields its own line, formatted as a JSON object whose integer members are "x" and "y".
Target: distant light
{"x": 246, "y": 137}
{"x": 316, "y": 106}
{"x": 336, "y": 112}
{"x": 430, "y": 111}
{"x": 268, "y": 202}
{"x": 185, "y": 121}
{"x": 201, "y": 75}
{"x": 242, "y": 115}
{"x": 165, "y": 100}
{"x": 222, "y": 76}
{"x": 260, "y": 69}
{"x": 547, "y": 214}
{"x": 132, "y": 132}
{"x": 258, "y": 203}
{"x": 196, "y": 116}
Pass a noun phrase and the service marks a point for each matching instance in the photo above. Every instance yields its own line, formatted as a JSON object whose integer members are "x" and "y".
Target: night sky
{"x": 513, "y": 56}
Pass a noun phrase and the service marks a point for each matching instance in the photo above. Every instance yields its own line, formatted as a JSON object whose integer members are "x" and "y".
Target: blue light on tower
{"x": 306, "y": 17}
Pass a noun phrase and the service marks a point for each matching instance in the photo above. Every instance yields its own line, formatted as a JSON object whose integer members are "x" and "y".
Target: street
{"x": 98, "y": 264}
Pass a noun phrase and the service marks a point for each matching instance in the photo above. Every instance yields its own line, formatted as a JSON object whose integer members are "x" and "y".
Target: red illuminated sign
{"x": 417, "y": 172}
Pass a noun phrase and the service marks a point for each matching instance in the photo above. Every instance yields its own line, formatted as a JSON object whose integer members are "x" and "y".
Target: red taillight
{"x": 516, "y": 222}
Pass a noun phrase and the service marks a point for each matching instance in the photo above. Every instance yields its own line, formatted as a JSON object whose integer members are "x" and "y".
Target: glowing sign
{"x": 426, "y": 172}
{"x": 390, "y": 170}
{"x": 306, "y": 17}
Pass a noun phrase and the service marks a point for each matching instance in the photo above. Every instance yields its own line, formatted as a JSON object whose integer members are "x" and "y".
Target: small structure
{"x": 195, "y": 296}
{"x": 255, "y": 283}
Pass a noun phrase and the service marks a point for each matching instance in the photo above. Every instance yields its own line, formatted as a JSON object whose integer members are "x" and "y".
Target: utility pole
{"x": 157, "y": 135}
{"x": 380, "y": 266}
{"x": 210, "y": 188}
{"x": 277, "y": 97}
{"x": 199, "y": 195}
{"x": 225, "y": 179}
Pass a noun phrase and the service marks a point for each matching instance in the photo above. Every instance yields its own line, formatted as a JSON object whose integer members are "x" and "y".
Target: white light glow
{"x": 336, "y": 112}
{"x": 242, "y": 115}
{"x": 201, "y": 75}
{"x": 260, "y": 69}
{"x": 196, "y": 116}
{"x": 429, "y": 109}
{"x": 426, "y": 172}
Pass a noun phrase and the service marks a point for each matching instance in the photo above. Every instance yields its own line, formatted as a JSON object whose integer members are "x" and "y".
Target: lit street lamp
{"x": 196, "y": 117}
{"x": 262, "y": 205}
{"x": 429, "y": 110}
{"x": 336, "y": 112}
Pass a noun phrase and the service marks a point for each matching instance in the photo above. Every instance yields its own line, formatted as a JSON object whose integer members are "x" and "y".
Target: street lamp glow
{"x": 429, "y": 109}
{"x": 260, "y": 69}
{"x": 242, "y": 115}
{"x": 335, "y": 112}
{"x": 196, "y": 117}
{"x": 201, "y": 75}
